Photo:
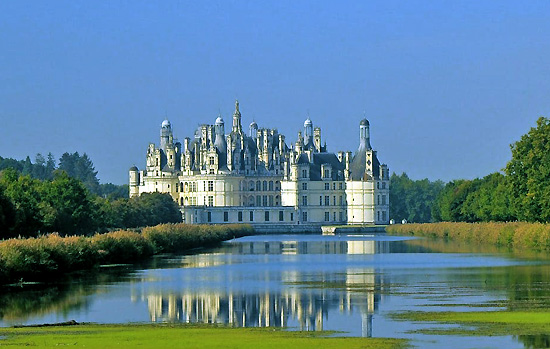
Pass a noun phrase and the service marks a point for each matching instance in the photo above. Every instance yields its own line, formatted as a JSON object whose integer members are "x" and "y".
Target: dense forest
{"x": 521, "y": 192}
{"x": 41, "y": 197}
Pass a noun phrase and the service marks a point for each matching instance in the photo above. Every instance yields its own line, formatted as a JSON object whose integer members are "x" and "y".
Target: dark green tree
{"x": 66, "y": 206}
{"x": 412, "y": 199}
{"x": 528, "y": 174}
{"x": 81, "y": 168}
{"x": 23, "y": 193}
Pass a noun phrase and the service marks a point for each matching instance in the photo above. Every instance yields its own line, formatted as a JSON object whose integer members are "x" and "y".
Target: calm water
{"x": 306, "y": 282}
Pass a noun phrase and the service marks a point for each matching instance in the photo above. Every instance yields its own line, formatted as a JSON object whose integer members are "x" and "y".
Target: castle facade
{"x": 234, "y": 177}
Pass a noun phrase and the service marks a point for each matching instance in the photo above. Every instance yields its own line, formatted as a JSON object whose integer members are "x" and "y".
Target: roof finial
{"x": 236, "y": 105}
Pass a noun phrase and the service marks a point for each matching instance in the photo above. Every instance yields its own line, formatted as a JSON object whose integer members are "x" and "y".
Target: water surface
{"x": 307, "y": 282}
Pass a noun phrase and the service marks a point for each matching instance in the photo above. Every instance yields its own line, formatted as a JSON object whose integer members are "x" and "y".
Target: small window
{"x": 270, "y": 185}
{"x": 211, "y": 160}
{"x": 327, "y": 200}
{"x": 304, "y": 216}
{"x": 210, "y": 201}
{"x": 281, "y": 216}
{"x": 320, "y": 200}
{"x": 340, "y": 185}
{"x": 377, "y": 185}
{"x": 209, "y": 217}
{"x": 304, "y": 200}
{"x": 210, "y": 185}
{"x": 252, "y": 216}
{"x": 327, "y": 186}
{"x": 327, "y": 216}
{"x": 240, "y": 216}
{"x": 304, "y": 174}
{"x": 340, "y": 215}
{"x": 226, "y": 216}
{"x": 267, "y": 216}
{"x": 304, "y": 186}
{"x": 291, "y": 216}
{"x": 334, "y": 216}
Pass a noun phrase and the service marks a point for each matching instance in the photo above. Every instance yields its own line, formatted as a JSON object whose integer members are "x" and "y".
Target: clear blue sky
{"x": 446, "y": 85}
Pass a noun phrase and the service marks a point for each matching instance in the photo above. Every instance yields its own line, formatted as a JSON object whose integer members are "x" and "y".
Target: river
{"x": 343, "y": 283}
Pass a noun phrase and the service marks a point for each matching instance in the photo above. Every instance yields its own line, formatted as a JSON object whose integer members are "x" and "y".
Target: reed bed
{"x": 523, "y": 235}
{"x": 49, "y": 256}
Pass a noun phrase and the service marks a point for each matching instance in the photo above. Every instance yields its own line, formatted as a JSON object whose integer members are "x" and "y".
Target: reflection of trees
{"x": 535, "y": 341}
{"x": 20, "y": 304}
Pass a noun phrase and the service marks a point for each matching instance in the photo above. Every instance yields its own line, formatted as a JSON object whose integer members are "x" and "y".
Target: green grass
{"x": 182, "y": 336}
{"x": 483, "y": 323}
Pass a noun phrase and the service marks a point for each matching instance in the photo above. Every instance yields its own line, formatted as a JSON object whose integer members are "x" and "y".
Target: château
{"x": 218, "y": 177}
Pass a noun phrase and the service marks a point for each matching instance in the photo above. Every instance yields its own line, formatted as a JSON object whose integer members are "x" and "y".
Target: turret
{"x": 134, "y": 181}
{"x": 308, "y": 132}
{"x": 253, "y": 130}
{"x": 220, "y": 143}
{"x": 364, "y": 134}
{"x": 237, "y": 128}
{"x": 165, "y": 134}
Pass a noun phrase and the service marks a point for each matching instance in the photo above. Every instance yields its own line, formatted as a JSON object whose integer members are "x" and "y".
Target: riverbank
{"x": 182, "y": 336}
{"x": 521, "y": 235}
{"x": 50, "y": 256}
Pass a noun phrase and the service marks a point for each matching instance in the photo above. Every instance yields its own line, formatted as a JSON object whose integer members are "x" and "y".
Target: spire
{"x": 237, "y": 128}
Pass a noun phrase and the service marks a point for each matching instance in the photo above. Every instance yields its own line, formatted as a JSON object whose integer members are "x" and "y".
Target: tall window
{"x": 252, "y": 216}
{"x": 209, "y": 217}
{"x": 327, "y": 200}
{"x": 327, "y": 186}
{"x": 320, "y": 200}
{"x": 210, "y": 185}
{"x": 270, "y": 185}
{"x": 281, "y": 216}
{"x": 383, "y": 199}
{"x": 211, "y": 160}
{"x": 304, "y": 200}
{"x": 264, "y": 200}
{"x": 226, "y": 216}
{"x": 304, "y": 186}
{"x": 304, "y": 216}
{"x": 210, "y": 201}
{"x": 327, "y": 216}
{"x": 267, "y": 216}
{"x": 304, "y": 174}
{"x": 264, "y": 187}
{"x": 240, "y": 216}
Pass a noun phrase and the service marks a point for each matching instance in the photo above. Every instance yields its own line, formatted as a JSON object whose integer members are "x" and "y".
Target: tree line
{"x": 521, "y": 192}
{"x": 42, "y": 198}
{"x": 75, "y": 165}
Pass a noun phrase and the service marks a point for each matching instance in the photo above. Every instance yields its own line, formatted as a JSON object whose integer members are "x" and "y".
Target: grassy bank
{"x": 520, "y": 235}
{"x": 182, "y": 336}
{"x": 529, "y": 327}
{"x": 41, "y": 258}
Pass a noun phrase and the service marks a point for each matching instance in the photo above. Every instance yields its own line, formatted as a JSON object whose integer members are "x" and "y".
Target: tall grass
{"x": 523, "y": 235}
{"x": 48, "y": 256}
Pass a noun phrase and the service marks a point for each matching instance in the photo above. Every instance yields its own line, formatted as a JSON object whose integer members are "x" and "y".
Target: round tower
{"x": 133, "y": 184}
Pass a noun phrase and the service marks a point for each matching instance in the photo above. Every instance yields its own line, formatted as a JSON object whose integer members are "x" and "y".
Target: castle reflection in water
{"x": 297, "y": 303}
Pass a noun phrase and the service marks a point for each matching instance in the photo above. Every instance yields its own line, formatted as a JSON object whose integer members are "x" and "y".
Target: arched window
{"x": 270, "y": 185}
{"x": 264, "y": 187}
{"x": 258, "y": 186}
